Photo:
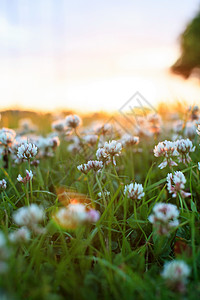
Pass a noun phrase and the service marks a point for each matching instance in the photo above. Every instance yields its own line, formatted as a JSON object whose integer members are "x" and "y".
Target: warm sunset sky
{"x": 90, "y": 54}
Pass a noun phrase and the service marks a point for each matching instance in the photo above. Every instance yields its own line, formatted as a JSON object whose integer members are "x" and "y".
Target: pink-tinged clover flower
{"x": 134, "y": 191}
{"x": 27, "y": 151}
{"x": 184, "y": 148}
{"x": 164, "y": 218}
{"x": 109, "y": 151}
{"x": 129, "y": 140}
{"x": 176, "y": 273}
{"x": 27, "y": 178}
{"x": 3, "y": 184}
{"x": 30, "y": 217}
{"x": 176, "y": 183}
{"x": 7, "y": 137}
{"x": 94, "y": 165}
{"x": 75, "y": 215}
{"x": 166, "y": 149}
{"x": 72, "y": 121}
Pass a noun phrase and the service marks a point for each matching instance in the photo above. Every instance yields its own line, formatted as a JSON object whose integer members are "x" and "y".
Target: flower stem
{"x": 102, "y": 193}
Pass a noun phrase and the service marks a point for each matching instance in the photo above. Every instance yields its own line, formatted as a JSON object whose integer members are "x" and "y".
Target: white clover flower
{"x": 75, "y": 215}
{"x": 104, "y": 129}
{"x": 74, "y": 148}
{"x": 109, "y": 151}
{"x": 166, "y": 149}
{"x": 129, "y": 140}
{"x": 19, "y": 140}
{"x": 94, "y": 165}
{"x": 199, "y": 166}
{"x": 176, "y": 273}
{"x": 7, "y": 136}
{"x": 3, "y": 184}
{"x": 59, "y": 125}
{"x": 134, "y": 191}
{"x": 101, "y": 154}
{"x": 26, "y": 151}
{"x": 93, "y": 216}
{"x": 45, "y": 145}
{"x": 184, "y": 147}
{"x": 83, "y": 168}
{"x": 27, "y": 178}
{"x": 72, "y": 121}
{"x": 113, "y": 147}
{"x": 21, "y": 235}
{"x": 91, "y": 139}
{"x": 176, "y": 183}
{"x": 29, "y": 216}
{"x": 164, "y": 218}
{"x": 26, "y": 125}
{"x": 54, "y": 142}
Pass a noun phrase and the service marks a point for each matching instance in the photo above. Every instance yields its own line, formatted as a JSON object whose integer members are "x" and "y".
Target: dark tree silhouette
{"x": 190, "y": 49}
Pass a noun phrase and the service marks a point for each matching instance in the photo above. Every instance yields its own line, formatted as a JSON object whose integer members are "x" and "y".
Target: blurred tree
{"x": 190, "y": 49}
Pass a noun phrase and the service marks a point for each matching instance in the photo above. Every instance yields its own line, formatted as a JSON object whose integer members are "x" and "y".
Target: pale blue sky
{"x": 56, "y": 26}
{"x": 50, "y": 47}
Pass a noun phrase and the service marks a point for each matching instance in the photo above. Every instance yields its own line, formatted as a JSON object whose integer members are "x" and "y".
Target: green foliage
{"x": 117, "y": 258}
{"x": 190, "y": 45}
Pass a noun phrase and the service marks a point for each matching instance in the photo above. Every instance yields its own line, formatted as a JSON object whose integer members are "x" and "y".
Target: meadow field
{"x": 90, "y": 211}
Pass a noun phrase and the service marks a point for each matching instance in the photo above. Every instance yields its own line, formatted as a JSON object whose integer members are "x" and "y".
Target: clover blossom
{"x": 129, "y": 140}
{"x": 27, "y": 178}
{"x": 91, "y": 139}
{"x": 176, "y": 183}
{"x": 30, "y": 217}
{"x": 184, "y": 147}
{"x": 166, "y": 149}
{"x": 20, "y": 235}
{"x": 94, "y": 165}
{"x": 134, "y": 191}
{"x": 7, "y": 136}
{"x": 59, "y": 125}
{"x": 72, "y": 121}
{"x": 164, "y": 218}
{"x": 176, "y": 273}
{"x": 75, "y": 215}
{"x": 108, "y": 152}
{"x": 3, "y": 184}
{"x": 26, "y": 151}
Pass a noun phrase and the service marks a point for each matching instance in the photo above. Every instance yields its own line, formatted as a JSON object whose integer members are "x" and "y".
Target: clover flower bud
{"x": 27, "y": 178}
{"x": 3, "y": 184}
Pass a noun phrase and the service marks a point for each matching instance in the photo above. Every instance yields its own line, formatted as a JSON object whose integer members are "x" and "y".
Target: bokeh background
{"x": 92, "y": 55}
